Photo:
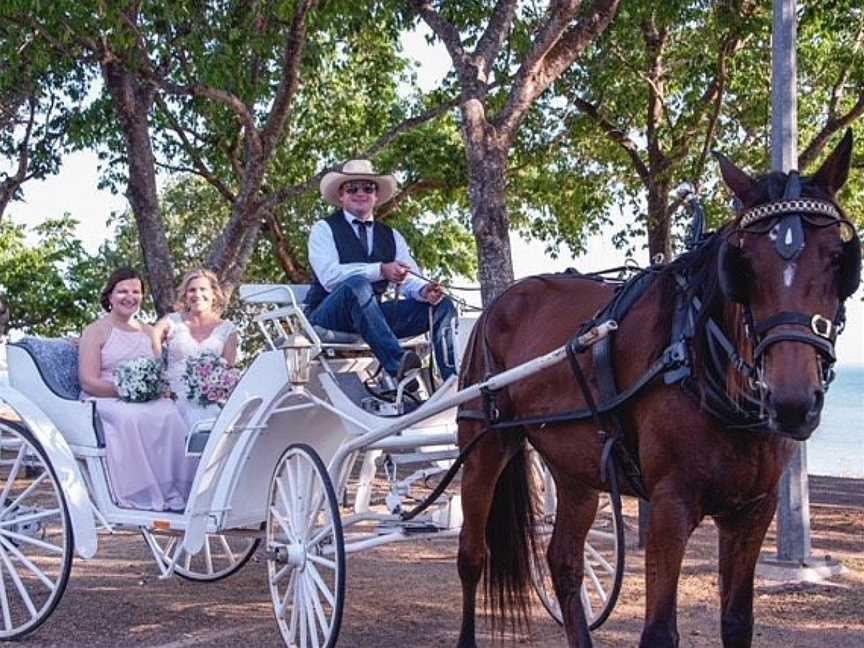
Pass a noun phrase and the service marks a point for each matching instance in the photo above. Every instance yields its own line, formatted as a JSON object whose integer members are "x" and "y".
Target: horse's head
{"x": 791, "y": 258}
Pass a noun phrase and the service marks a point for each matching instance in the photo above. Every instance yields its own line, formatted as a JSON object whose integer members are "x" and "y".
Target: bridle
{"x": 814, "y": 329}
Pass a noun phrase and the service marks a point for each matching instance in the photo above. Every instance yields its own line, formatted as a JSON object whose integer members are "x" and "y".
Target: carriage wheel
{"x": 305, "y": 550}
{"x": 35, "y": 534}
{"x": 223, "y": 554}
{"x": 603, "y": 558}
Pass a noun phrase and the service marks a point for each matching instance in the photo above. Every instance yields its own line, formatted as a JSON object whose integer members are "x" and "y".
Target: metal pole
{"x": 793, "y": 510}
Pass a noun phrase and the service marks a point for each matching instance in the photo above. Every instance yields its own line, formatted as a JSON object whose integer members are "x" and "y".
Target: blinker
{"x": 790, "y": 231}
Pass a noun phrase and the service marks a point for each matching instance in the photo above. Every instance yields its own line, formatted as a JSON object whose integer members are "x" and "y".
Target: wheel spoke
{"x": 322, "y": 561}
{"x": 289, "y": 498}
{"x": 33, "y": 541}
{"x": 30, "y": 517}
{"x": 310, "y": 612}
{"x": 22, "y": 591}
{"x": 598, "y": 587}
{"x": 604, "y": 536}
{"x": 208, "y": 557}
{"x": 322, "y": 586}
{"x": 284, "y": 525}
{"x": 320, "y": 535}
{"x": 4, "y": 602}
{"x": 13, "y": 473}
{"x": 280, "y": 575}
{"x": 301, "y": 613}
{"x": 286, "y": 522}
{"x": 14, "y": 503}
{"x": 289, "y": 591}
{"x": 609, "y": 569}
{"x": 33, "y": 568}
{"x": 586, "y": 603}
{"x": 227, "y": 548}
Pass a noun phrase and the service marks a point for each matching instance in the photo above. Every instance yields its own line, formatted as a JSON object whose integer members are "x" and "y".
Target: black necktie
{"x": 361, "y": 227}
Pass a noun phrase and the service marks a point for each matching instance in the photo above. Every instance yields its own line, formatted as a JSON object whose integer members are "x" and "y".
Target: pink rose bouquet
{"x": 209, "y": 380}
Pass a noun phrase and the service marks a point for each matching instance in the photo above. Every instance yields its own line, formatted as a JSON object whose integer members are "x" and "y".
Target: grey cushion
{"x": 57, "y": 361}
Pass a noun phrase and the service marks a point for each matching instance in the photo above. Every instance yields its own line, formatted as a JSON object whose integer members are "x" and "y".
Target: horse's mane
{"x": 699, "y": 266}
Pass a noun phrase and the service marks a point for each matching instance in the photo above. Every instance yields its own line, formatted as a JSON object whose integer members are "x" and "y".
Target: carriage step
{"x": 406, "y": 458}
{"x": 412, "y": 527}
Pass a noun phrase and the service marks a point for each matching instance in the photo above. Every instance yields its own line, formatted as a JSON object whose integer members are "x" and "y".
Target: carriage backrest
{"x": 45, "y": 370}
{"x": 56, "y": 361}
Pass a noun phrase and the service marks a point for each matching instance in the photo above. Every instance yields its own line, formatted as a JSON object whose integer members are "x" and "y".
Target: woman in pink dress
{"x": 197, "y": 327}
{"x": 144, "y": 442}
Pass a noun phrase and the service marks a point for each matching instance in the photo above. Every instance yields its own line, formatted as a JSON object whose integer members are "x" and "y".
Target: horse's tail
{"x": 511, "y": 544}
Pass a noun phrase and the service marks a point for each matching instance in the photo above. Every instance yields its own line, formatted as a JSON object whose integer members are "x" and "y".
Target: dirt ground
{"x": 407, "y": 595}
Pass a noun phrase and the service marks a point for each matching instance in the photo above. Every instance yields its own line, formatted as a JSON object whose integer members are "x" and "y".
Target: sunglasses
{"x": 366, "y": 187}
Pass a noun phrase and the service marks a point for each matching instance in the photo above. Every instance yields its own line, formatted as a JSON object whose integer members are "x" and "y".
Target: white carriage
{"x": 290, "y": 464}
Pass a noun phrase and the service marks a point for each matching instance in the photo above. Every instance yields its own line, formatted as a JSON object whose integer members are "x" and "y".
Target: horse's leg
{"x": 741, "y": 539}
{"x": 672, "y": 521}
{"x": 576, "y": 509}
{"x": 479, "y": 476}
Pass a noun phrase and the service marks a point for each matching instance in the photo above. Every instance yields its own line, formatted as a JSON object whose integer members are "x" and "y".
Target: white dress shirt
{"x": 324, "y": 258}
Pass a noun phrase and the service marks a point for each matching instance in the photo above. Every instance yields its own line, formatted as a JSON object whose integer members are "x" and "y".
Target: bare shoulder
{"x": 97, "y": 332}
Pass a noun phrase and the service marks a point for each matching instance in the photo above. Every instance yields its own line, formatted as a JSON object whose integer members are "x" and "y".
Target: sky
{"x": 74, "y": 190}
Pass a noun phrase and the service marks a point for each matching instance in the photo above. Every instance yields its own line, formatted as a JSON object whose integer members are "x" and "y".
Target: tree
{"x": 212, "y": 89}
{"x": 542, "y": 47}
{"x": 670, "y": 81}
{"x": 49, "y": 287}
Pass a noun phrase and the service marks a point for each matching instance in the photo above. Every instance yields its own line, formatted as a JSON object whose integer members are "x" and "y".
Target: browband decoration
{"x": 799, "y": 206}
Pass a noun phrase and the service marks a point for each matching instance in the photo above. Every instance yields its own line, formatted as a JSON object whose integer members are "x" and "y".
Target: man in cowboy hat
{"x": 356, "y": 259}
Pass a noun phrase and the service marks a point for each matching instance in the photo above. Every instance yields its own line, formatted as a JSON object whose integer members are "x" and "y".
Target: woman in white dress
{"x": 196, "y": 328}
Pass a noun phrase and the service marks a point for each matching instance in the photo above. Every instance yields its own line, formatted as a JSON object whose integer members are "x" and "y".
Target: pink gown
{"x": 144, "y": 442}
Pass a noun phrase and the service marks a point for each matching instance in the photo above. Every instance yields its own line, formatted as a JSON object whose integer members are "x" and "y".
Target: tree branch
{"x": 815, "y": 148}
{"x": 227, "y": 99}
{"x": 296, "y": 43}
{"x": 200, "y": 168}
{"x": 448, "y": 34}
{"x": 302, "y": 188}
{"x": 554, "y": 50}
{"x": 494, "y": 37}
{"x": 615, "y": 134}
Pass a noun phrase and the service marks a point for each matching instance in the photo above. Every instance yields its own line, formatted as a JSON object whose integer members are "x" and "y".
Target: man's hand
{"x": 433, "y": 293}
{"x": 395, "y": 271}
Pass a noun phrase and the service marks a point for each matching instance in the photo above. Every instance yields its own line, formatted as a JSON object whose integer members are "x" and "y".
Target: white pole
{"x": 793, "y": 511}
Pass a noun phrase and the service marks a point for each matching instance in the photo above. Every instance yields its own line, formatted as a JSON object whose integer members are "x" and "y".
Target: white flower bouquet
{"x": 209, "y": 380}
{"x": 140, "y": 380}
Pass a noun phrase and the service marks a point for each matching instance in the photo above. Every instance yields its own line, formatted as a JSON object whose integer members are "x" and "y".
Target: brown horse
{"x": 784, "y": 266}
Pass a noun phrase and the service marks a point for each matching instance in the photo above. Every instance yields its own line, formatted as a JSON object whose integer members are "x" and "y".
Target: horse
{"x": 762, "y": 302}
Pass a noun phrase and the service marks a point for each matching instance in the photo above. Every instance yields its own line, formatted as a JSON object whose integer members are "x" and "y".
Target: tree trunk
{"x": 133, "y": 102}
{"x": 4, "y": 318}
{"x": 659, "y": 223}
{"x": 487, "y": 189}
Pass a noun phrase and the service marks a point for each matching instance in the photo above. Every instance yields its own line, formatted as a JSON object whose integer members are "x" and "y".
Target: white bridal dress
{"x": 181, "y": 345}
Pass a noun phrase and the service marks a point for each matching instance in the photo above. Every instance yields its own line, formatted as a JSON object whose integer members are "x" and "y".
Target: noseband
{"x": 814, "y": 329}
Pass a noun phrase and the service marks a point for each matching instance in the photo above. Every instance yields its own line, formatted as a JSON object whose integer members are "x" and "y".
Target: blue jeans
{"x": 352, "y": 308}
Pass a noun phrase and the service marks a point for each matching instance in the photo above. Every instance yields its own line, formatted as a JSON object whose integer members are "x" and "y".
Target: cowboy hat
{"x": 357, "y": 170}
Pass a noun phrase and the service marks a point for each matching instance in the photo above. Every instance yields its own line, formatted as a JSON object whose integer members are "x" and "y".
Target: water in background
{"x": 837, "y": 447}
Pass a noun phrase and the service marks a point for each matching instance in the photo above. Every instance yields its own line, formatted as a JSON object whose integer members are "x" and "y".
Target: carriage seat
{"x": 46, "y": 371}
{"x": 295, "y": 295}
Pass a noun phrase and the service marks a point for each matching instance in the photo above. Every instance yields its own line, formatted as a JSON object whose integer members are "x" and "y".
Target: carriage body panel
{"x": 64, "y": 463}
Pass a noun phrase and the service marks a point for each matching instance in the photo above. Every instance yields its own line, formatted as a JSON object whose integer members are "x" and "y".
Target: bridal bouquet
{"x": 209, "y": 380}
{"x": 140, "y": 380}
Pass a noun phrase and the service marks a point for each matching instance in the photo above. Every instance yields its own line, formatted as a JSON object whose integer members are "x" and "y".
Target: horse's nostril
{"x": 796, "y": 416}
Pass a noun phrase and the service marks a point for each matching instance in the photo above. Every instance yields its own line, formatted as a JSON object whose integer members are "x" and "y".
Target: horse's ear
{"x": 741, "y": 184}
{"x": 732, "y": 272}
{"x": 834, "y": 171}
